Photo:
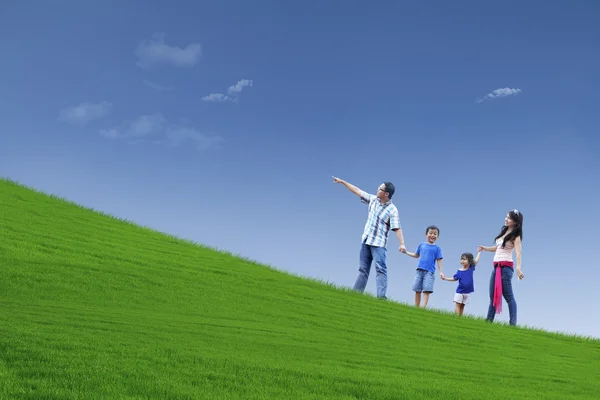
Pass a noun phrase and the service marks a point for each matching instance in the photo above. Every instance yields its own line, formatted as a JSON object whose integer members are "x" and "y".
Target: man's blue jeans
{"x": 507, "y": 293}
{"x": 368, "y": 254}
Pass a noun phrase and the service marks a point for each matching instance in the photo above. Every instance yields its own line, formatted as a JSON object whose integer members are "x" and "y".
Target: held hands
{"x": 442, "y": 276}
{"x": 402, "y": 249}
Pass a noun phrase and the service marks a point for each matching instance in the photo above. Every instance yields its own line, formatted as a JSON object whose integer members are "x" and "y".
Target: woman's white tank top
{"x": 504, "y": 254}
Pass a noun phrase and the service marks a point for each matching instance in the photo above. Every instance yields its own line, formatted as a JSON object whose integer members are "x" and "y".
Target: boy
{"x": 428, "y": 254}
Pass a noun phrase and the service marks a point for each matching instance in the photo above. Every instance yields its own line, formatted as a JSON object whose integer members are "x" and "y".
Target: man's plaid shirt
{"x": 382, "y": 218}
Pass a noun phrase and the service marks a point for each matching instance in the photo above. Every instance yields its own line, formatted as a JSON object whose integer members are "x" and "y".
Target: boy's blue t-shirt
{"x": 428, "y": 254}
{"x": 465, "y": 280}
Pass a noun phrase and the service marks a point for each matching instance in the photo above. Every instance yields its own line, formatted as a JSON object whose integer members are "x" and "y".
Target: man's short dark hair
{"x": 389, "y": 188}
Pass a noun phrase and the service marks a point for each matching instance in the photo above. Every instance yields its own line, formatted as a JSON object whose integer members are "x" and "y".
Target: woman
{"x": 508, "y": 240}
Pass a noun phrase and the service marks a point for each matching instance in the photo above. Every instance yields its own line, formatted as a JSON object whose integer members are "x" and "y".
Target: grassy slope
{"x": 94, "y": 307}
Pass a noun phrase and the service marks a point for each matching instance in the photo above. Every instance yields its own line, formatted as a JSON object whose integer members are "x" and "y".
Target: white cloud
{"x": 502, "y": 92}
{"x": 180, "y": 134}
{"x": 216, "y": 97}
{"x": 155, "y": 129}
{"x": 239, "y": 86}
{"x": 145, "y": 125}
{"x": 141, "y": 127}
{"x": 233, "y": 91}
{"x": 157, "y": 86}
{"x": 84, "y": 112}
{"x": 155, "y": 51}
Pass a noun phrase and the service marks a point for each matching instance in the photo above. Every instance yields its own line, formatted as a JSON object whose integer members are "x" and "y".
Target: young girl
{"x": 464, "y": 276}
{"x": 507, "y": 241}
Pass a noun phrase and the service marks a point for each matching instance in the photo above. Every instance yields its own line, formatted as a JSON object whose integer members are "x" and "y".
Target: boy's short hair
{"x": 390, "y": 188}
{"x": 432, "y": 227}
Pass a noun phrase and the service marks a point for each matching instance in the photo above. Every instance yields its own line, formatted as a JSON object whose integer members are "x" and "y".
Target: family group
{"x": 383, "y": 217}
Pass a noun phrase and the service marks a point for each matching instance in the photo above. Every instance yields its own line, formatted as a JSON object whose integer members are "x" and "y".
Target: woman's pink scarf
{"x": 498, "y": 284}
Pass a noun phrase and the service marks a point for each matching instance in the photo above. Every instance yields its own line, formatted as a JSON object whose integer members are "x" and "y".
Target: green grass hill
{"x": 93, "y": 307}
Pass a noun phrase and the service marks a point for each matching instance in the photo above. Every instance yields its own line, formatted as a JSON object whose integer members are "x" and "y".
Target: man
{"x": 383, "y": 216}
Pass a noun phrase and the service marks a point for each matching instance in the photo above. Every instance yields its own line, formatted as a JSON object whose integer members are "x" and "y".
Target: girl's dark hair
{"x": 517, "y": 217}
{"x": 469, "y": 257}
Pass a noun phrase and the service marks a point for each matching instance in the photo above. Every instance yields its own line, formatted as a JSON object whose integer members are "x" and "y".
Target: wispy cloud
{"x": 141, "y": 127}
{"x": 155, "y": 51}
{"x": 84, "y": 112}
{"x": 146, "y": 125}
{"x": 203, "y": 141}
{"x": 156, "y": 129}
{"x": 157, "y": 86}
{"x": 239, "y": 86}
{"x": 503, "y": 92}
{"x": 216, "y": 97}
{"x": 233, "y": 92}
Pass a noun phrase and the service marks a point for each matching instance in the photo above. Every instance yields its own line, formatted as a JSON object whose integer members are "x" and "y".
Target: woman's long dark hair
{"x": 517, "y": 217}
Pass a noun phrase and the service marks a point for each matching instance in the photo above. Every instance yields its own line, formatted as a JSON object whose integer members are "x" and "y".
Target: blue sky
{"x": 471, "y": 109}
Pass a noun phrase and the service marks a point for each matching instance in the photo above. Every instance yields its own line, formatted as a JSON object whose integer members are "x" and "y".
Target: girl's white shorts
{"x": 462, "y": 298}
